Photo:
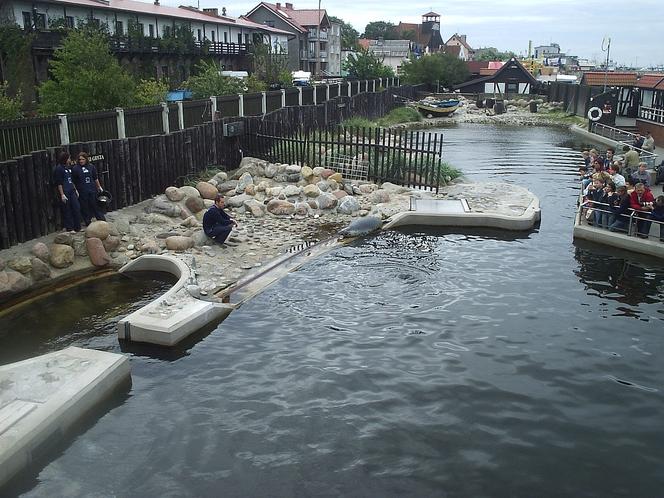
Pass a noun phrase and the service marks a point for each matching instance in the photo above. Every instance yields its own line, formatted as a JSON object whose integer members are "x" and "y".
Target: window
{"x": 151, "y": 30}
{"x": 239, "y": 38}
{"x": 213, "y": 37}
{"x": 69, "y": 22}
{"x": 119, "y": 28}
{"x": 140, "y": 29}
{"x": 225, "y": 37}
{"x": 269, "y": 23}
{"x": 40, "y": 21}
{"x": 166, "y": 30}
{"x": 246, "y": 38}
{"x": 94, "y": 22}
{"x": 27, "y": 21}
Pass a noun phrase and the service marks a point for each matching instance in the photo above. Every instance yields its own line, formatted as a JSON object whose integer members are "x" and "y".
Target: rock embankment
{"x": 277, "y": 206}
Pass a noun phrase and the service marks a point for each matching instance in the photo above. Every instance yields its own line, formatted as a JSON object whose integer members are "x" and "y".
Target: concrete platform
{"x": 478, "y": 211}
{"x": 42, "y": 397}
{"x": 175, "y": 315}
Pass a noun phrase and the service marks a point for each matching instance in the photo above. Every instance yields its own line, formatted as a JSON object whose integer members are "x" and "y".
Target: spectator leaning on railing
{"x": 642, "y": 201}
{"x": 648, "y": 143}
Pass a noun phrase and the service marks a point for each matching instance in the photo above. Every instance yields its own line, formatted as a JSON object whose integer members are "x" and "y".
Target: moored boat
{"x": 433, "y": 108}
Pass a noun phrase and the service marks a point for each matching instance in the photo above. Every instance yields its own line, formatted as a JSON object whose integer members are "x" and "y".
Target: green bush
{"x": 10, "y": 107}
{"x": 358, "y": 122}
{"x": 150, "y": 92}
{"x": 208, "y": 82}
{"x": 400, "y": 115}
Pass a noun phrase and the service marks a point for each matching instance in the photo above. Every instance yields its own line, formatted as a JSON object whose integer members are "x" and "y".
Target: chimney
{"x": 289, "y": 6}
{"x": 156, "y": 2}
{"x": 463, "y": 37}
{"x": 211, "y": 11}
{"x": 278, "y": 6}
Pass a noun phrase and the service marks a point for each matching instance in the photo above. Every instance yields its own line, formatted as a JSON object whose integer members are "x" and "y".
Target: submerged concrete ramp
{"x": 42, "y": 397}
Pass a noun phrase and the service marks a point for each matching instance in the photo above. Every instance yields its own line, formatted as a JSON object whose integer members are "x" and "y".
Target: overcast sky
{"x": 578, "y": 26}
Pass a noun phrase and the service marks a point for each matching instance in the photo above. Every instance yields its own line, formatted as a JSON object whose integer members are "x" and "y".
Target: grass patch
{"x": 400, "y": 115}
{"x": 358, "y": 122}
{"x": 565, "y": 118}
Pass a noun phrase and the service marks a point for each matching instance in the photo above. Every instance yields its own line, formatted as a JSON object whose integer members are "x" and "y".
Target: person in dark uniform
{"x": 87, "y": 184}
{"x": 64, "y": 183}
{"x": 217, "y": 224}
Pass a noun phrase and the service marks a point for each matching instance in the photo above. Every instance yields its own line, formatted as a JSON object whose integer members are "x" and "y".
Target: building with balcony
{"x": 143, "y": 34}
{"x": 392, "y": 53}
{"x": 315, "y": 45}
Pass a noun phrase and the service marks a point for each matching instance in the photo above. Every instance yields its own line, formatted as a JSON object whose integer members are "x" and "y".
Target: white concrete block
{"x": 42, "y": 397}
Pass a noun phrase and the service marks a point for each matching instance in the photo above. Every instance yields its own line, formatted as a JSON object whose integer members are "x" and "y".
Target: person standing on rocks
{"x": 64, "y": 183}
{"x": 217, "y": 224}
{"x": 87, "y": 184}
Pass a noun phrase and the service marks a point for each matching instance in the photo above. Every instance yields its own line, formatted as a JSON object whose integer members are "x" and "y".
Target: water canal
{"x": 413, "y": 363}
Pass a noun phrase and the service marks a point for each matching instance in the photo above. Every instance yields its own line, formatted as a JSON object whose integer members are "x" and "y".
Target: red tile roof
{"x": 364, "y": 43}
{"x": 650, "y": 80}
{"x": 474, "y": 67}
{"x": 300, "y": 19}
{"x": 612, "y": 78}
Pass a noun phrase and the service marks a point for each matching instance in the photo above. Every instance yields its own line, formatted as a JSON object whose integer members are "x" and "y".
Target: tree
{"x": 208, "y": 82}
{"x": 431, "y": 69}
{"x": 85, "y": 77}
{"x": 10, "y": 107}
{"x": 349, "y": 35}
{"x": 150, "y": 92}
{"x": 366, "y": 65}
{"x": 268, "y": 66}
{"x": 380, "y": 29}
{"x": 492, "y": 54}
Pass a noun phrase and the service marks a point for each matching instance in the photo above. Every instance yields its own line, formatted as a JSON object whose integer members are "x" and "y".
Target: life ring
{"x": 595, "y": 114}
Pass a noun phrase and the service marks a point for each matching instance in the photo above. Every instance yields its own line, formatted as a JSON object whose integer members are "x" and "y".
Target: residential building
{"x": 425, "y": 37}
{"x": 313, "y": 46}
{"x": 546, "y": 51}
{"x": 393, "y": 53}
{"x": 509, "y": 78}
{"x": 457, "y": 45}
{"x": 137, "y": 31}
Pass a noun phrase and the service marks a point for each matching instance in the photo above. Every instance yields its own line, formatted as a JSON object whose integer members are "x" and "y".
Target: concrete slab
{"x": 42, "y": 397}
{"x": 175, "y": 315}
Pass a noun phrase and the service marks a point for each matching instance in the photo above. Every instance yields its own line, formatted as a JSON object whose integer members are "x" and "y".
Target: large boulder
{"x": 227, "y": 186}
{"x": 270, "y": 170}
{"x": 61, "y": 256}
{"x": 273, "y": 191}
{"x": 111, "y": 243}
{"x": 200, "y": 239}
{"x": 251, "y": 165}
{"x": 243, "y": 182}
{"x": 380, "y": 196}
{"x": 189, "y": 191}
{"x": 280, "y": 207}
{"x": 257, "y": 209}
{"x": 179, "y": 243}
{"x": 80, "y": 248}
{"x": 21, "y": 264}
{"x": 220, "y": 177}
{"x": 325, "y": 173}
{"x": 174, "y": 194}
{"x": 302, "y": 209}
{"x": 98, "y": 229}
{"x": 367, "y": 188}
{"x": 293, "y": 168}
{"x": 12, "y": 282}
{"x": 149, "y": 247}
{"x": 40, "y": 270}
{"x": 311, "y": 191}
{"x": 336, "y": 177}
{"x": 65, "y": 238}
{"x": 237, "y": 200}
{"x": 348, "y": 205}
{"x": 291, "y": 190}
{"x": 326, "y": 201}
{"x": 394, "y": 189}
{"x": 306, "y": 172}
{"x": 96, "y": 252}
{"x": 207, "y": 191}
{"x": 194, "y": 204}
{"x": 339, "y": 194}
{"x": 40, "y": 250}
{"x": 161, "y": 205}
{"x": 323, "y": 186}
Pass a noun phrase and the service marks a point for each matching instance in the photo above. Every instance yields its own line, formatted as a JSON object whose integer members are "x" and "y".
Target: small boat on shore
{"x": 435, "y": 108}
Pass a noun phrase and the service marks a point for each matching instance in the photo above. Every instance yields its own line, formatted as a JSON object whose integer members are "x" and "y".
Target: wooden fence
{"x": 22, "y": 136}
{"x": 135, "y": 169}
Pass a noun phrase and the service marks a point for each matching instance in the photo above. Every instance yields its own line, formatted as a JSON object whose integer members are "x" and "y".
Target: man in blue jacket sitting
{"x": 217, "y": 224}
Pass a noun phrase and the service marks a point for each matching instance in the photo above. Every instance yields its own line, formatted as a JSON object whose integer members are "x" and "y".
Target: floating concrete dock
{"x": 42, "y": 397}
{"x": 175, "y": 315}
{"x": 476, "y": 206}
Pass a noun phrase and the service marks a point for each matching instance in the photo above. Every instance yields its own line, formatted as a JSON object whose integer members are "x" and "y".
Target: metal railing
{"x": 633, "y": 217}
{"x": 652, "y": 114}
{"x": 623, "y": 137}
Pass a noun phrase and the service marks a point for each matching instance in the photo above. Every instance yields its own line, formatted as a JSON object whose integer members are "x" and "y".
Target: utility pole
{"x": 608, "y": 51}
{"x": 317, "y": 51}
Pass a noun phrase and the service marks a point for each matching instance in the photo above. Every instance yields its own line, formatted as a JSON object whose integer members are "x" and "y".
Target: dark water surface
{"x": 414, "y": 363}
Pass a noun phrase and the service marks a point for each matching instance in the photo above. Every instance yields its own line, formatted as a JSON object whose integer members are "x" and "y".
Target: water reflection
{"x": 612, "y": 277}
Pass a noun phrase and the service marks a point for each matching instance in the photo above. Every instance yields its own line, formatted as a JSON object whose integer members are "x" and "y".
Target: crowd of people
{"x": 77, "y": 187}
{"x": 616, "y": 189}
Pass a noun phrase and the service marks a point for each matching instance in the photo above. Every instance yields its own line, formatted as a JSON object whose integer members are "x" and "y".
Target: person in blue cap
{"x": 87, "y": 184}
{"x": 217, "y": 224}
{"x": 64, "y": 183}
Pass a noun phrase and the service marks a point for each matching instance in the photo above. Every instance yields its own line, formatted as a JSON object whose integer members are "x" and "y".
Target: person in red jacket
{"x": 642, "y": 200}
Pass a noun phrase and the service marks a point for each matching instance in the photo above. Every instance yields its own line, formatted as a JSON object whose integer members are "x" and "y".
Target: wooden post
{"x": 327, "y": 91}
{"x": 240, "y": 105}
{"x": 264, "y": 103}
{"x": 121, "y": 122}
{"x": 374, "y": 85}
{"x": 339, "y": 89}
{"x": 64, "y": 129}
{"x": 350, "y": 89}
{"x": 283, "y": 98}
{"x": 180, "y": 115}
{"x": 213, "y": 100}
{"x": 315, "y": 88}
{"x": 299, "y": 95}
{"x": 164, "y": 118}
